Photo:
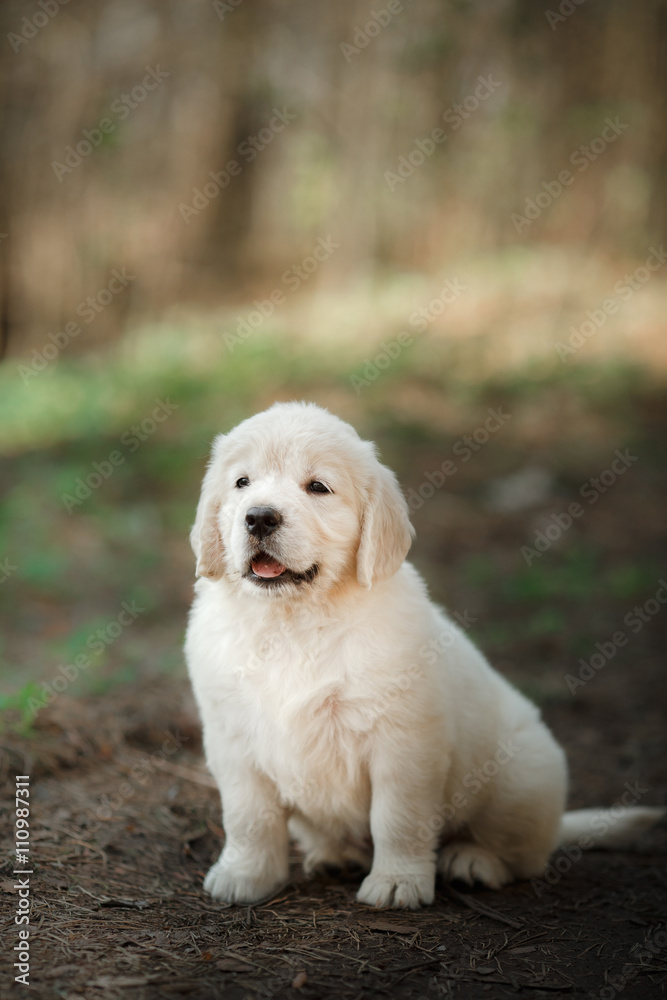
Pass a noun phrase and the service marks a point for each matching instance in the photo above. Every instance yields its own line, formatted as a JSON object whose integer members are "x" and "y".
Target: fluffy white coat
{"x": 339, "y": 704}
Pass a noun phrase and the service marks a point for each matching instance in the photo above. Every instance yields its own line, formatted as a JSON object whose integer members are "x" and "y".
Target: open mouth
{"x": 266, "y": 571}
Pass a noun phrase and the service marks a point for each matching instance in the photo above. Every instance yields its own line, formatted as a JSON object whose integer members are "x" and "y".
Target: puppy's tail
{"x": 614, "y": 828}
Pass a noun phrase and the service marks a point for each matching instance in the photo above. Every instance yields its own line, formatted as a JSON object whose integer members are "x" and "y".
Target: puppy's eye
{"x": 317, "y": 487}
{"x": 243, "y": 481}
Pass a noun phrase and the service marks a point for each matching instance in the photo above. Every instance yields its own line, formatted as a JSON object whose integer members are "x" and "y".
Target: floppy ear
{"x": 205, "y": 537}
{"x": 386, "y": 532}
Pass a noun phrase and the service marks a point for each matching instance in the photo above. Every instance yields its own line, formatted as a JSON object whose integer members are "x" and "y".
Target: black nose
{"x": 261, "y": 521}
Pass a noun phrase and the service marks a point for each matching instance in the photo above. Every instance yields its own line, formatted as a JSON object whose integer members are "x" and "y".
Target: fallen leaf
{"x": 299, "y": 980}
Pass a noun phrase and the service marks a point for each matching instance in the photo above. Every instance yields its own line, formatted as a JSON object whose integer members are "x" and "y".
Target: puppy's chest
{"x": 311, "y": 714}
{"x": 305, "y": 721}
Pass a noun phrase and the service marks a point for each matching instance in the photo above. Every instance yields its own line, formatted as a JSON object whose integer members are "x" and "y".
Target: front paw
{"x": 234, "y": 882}
{"x": 407, "y": 891}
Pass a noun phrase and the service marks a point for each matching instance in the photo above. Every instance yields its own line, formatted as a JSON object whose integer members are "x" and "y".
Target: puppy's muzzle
{"x": 262, "y": 521}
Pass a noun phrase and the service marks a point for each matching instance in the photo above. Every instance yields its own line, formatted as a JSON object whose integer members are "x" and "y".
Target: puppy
{"x": 339, "y": 705}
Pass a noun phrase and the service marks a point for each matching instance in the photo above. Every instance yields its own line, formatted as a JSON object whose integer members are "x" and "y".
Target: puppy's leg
{"x": 254, "y": 860}
{"x": 406, "y": 790}
{"x": 515, "y": 826}
{"x": 322, "y": 849}
{"x": 326, "y": 849}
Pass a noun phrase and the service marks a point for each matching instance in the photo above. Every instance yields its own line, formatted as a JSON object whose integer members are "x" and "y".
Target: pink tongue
{"x": 267, "y": 567}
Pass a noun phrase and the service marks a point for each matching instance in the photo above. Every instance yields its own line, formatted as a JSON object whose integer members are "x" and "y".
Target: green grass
{"x": 128, "y": 538}
{"x": 78, "y": 400}
{"x": 16, "y": 710}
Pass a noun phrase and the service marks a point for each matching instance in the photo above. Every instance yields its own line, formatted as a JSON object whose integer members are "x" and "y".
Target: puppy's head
{"x": 293, "y": 502}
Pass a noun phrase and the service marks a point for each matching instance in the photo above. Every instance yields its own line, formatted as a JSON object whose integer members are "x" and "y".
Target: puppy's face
{"x": 294, "y": 502}
{"x": 289, "y": 514}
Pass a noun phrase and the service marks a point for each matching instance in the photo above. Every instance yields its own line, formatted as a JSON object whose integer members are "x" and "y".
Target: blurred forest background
{"x": 358, "y": 89}
{"x": 411, "y": 213}
{"x": 442, "y": 219}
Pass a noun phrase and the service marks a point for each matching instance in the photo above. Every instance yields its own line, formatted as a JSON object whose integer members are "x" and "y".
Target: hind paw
{"x": 471, "y": 863}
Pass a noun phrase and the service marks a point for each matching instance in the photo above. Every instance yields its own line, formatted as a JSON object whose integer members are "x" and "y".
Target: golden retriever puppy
{"x": 339, "y": 704}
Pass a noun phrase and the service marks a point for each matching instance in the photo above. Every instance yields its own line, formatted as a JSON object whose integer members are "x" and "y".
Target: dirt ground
{"x": 122, "y": 834}
{"x": 125, "y": 822}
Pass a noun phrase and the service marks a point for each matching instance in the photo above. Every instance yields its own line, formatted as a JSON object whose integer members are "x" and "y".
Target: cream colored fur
{"x": 348, "y": 710}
